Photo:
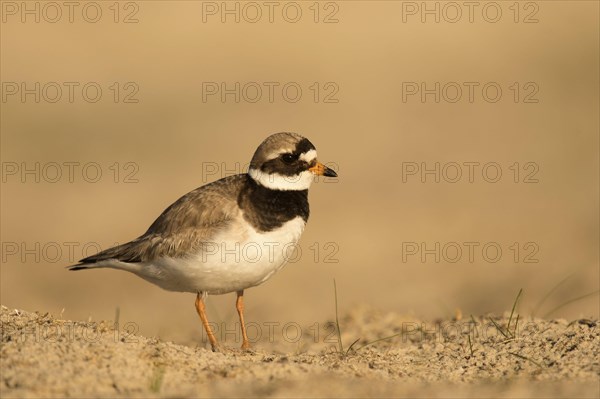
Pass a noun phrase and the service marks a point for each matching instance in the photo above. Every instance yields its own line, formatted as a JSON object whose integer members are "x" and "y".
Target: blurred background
{"x": 467, "y": 150}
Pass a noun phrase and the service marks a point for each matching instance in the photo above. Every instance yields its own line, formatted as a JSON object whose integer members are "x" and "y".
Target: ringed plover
{"x": 228, "y": 235}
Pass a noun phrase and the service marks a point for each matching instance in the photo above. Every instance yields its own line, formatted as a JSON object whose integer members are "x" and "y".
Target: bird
{"x": 228, "y": 235}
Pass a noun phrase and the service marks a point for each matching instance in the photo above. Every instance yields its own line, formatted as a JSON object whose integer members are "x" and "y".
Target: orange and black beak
{"x": 321, "y": 170}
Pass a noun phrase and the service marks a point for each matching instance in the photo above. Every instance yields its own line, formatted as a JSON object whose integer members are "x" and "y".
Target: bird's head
{"x": 287, "y": 161}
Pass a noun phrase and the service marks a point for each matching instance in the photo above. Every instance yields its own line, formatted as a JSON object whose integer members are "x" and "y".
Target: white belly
{"x": 234, "y": 260}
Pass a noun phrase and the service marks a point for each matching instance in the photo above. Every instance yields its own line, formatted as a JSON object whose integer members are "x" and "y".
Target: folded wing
{"x": 184, "y": 226}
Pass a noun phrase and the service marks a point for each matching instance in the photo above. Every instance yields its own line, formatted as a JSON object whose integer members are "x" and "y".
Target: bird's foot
{"x": 216, "y": 348}
{"x": 246, "y": 347}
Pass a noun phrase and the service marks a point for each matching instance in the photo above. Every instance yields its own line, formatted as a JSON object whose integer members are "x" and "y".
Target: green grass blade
{"x": 377, "y": 340}
{"x": 337, "y": 321}
{"x": 571, "y": 301}
{"x": 470, "y": 344}
{"x": 117, "y": 317}
{"x": 498, "y": 328}
{"x": 549, "y": 293}
{"x": 513, "y": 309}
{"x": 526, "y": 358}
{"x": 352, "y": 346}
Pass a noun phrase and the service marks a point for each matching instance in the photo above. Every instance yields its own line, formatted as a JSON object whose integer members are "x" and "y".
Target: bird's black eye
{"x": 288, "y": 158}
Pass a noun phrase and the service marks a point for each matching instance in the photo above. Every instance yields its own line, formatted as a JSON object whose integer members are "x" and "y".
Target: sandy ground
{"x": 44, "y": 356}
{"x": 387, "y": 236}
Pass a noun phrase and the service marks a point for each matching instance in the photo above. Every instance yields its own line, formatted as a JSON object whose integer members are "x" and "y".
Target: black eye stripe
{"x": 289, "y": 157}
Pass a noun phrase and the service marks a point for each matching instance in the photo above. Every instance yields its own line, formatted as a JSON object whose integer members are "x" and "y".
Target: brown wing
{"x": 183, "y": 226}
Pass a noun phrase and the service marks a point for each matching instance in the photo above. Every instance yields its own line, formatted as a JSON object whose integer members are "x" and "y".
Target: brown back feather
{"x": 184, "y": 226}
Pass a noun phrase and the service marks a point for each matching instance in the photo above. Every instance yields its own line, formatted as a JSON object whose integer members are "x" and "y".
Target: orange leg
{"x": 239, "y": 305}
{"x": 201, "y": 308}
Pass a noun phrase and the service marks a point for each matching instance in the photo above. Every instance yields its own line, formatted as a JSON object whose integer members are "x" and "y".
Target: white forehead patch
{"x": 309, "y": 156}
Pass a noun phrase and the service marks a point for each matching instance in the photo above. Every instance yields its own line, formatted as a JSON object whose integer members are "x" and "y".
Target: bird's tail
{"x": 83, "y": 266}
{"x": 112, "y": 257}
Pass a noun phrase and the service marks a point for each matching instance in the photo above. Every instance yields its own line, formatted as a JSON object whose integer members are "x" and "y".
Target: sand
{"x": 44, "y": 356}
